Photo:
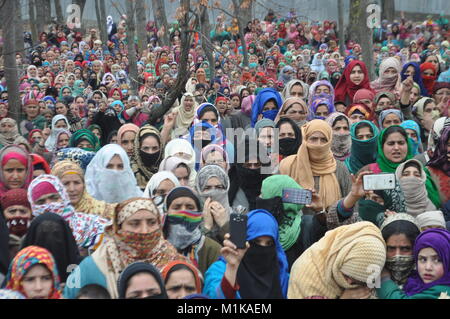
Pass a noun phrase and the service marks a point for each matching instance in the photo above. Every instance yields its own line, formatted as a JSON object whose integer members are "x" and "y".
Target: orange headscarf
{"x": 195, "y": 271}
{"x": 314, "y": 160}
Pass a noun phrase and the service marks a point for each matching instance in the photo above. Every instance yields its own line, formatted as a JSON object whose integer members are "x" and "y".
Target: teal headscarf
{"x": 289, "y": 228}
{"x": 362, "y": 152}
{"x": 86, "y": 135}
{"x": 411, "y": 125}
{"x": 60, "y": 96}
{"x": 77, "y": 90}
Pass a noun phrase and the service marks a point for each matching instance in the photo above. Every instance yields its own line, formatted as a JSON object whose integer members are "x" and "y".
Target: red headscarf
{"x": 30, "y": 139}
{"x": 111, "y": 92}
{"x": 345, "y": 87}
{"x": 428, "y": 81}
{"x": 37, "y": 159}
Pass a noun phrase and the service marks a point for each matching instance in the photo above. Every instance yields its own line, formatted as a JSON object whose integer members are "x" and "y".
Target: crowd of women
{"x": 105, "y": 196}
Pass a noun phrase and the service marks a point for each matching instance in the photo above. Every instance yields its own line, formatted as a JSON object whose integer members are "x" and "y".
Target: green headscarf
{"x": 289, "y": 228}
{"x": 389, "y": 167}
{"x": 60, "y": 96}
{"x": 362, "y": 152}
{"x": 85, "y": 134}
{"x": 77, "y": 91}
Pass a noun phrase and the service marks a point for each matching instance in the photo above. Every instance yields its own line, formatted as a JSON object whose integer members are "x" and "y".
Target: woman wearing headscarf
{"x": 295, "y": 109}
{"x": 177, "y": 166}
{"x": 357, "y": 112}
{"x": 267, "y": 104}
{"x": 131, "y": 239}
{"x": 365, "y": 97}
{"x": 317, "y": 63}
{"x": 431, "y": 279}
{"x": 390, "y": 117}
{"x": 16, "y": 168}
{"x": 394, "y": 149}
{"x": 72, "y": 177}
{"x": 85, "y": 140}
{"x": 109, "y": 176}
{"x": 260, "y": 271}
{"x": 314, "y": 166}
{"x": 183, "y": 149}
{"x": 341, "y": 141}
{"x": 109, "y": 120}
{"x": 389, "y": 77}
{"x": 338, "y": 263}
{"x": 129, "y": 285}
{"x": 159, "y": 186}
{"x": 183, "y": 228}
{"x": 9, "y": 131}
{"x": 413, "y": 69}
{"x": 214, "y": 154}
{"x": 400, "y": 232}
{"x": 321, "y": 89}
{"x": 320, "y": 109}
{"x": 286, "y": 74}
{"x": 148, "y": 148}
{"x": 439, "y": 166}
{"x": 355, "y": 77}
{"x": 33, "y": 264}
{"x": 413, "y": 130}
{"x": 428, "y": 72}
{"x": 384, "y": 100}
{"x": 190, "y": 275}
{"x": 425, "y": 114}
{"x": 59, "y": 122}
{"x": 76, "y": 155}
{"x": 47, "y": 194}
{"x": 297, "y": 231}
{"x": 412, "y": 178}
{"x": 295, "y": 88}
{"x": 126, "y": 136}
{"x": 52, "y": 232}
{"x": 185, "y": 114}
{"x": 363, "y": 150}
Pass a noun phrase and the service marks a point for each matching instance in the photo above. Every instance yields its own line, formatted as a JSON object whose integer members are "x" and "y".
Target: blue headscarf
{"x": 415, "y": 127}
{"x": 262, "y": 223}
{"x": 263, "y": 96}
{"x": 117, "y": 102}
{"x": 417, "y": 78}
{"x": 321, "y": 99}
{"x": 347, "y": 59}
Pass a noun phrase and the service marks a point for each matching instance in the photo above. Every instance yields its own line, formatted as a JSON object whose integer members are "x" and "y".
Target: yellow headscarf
{"x": 357, "y": 251}
{"x": 314, "y": 160}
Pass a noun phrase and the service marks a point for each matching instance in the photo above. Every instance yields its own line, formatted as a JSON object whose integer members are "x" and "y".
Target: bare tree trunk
{"x": 47, "y": 9}
{"x": 360, "y": 33}
{"x": 82, "y": 4}
{"x": 241, "y": 23}
{"x": 131, "y": 27}
{"x": 245, "y": 11}
{"x": 141, "y": 23}
{"x": 341, "y": 27}
{"x": 40, "y": 16}
{"x": 12, "y": 81}
{"x": 388, "y": 10}
{"x": 59, "y": 11}
{"x": 103, "y": 17}
{"x": 205, "y": 31}
{"x": 159, "y": 12}
{"x": 18, "y": 28}
{"x": 101, "y": 22}
{"x": 176, "y": 91}
{"x": 32, "y": 21}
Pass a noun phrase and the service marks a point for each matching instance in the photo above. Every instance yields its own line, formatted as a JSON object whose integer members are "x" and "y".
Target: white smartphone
{"x": 375, "y": 182}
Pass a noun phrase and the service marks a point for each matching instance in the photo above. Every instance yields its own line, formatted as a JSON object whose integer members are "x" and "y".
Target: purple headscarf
{"x": 439, "y": 240}
{"x": 316, "y": 103}
{"x": 440, "y": 159}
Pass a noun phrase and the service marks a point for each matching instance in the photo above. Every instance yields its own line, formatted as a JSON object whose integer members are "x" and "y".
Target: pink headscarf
{"x": 247, "y": 103}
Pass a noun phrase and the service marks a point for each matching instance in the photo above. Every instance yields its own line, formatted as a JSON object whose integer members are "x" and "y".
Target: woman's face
{"x": 317, "y": 138}
{"x": 266, "y": 136}
{"x": 297, "y": 91}
{"x": 398, "y": 245}
{"x": 61, "y": 109}
{"x": 286, "y": 131}
{"x": 395, "y": 148}
{"x": 188, "y": 103}
{"x": 434, "y": 60}
{"x": 61, "y": 124}
{"x": 66, "y": 92}
{"x": 442, "y": 95}
{"x": 16, "y": 211}
{"x": 142, "y": 285}
{"x": 181, "y": 283}
{"x": 164, "y": 188}
{"x": 412, "y": 134}
{"x": 182, "y": 175}
{"x": 341, "y": 127}
{"x": 429, "y": 265}
{"x": 142, "y": 222}
{"x": 410, "y": 71}
{"x": 182, "y": 203}
{"x": 364, "y": 133}
{"x": 97, "y": 133}
{"x": 383, "y": 104}
{"x": 116, "y": 95}
{"x": 36, "y": 136}
{"x": 74, "y": 185}
{"x": 414, "y": 96}
{"x": 63, "y": 140}
{"x": 390, "y": 72}
{"x": 356, "y": 75}
{"x": 150, "y": 145}
{"x": 85, "y": 144}
{"x": 115, "y": 163}
{"x": 209, "y": 117}
{"x": 215, "y": 158}
{"x": 391, "y": 119}
{"x": 235, "y": 102}
{"x": 127, "y": 142}
{"x": 411, "y": 171}
{"x": 7, "y": 127}
{"x": 37, "y": 283}
{"x": 322, "y": 89}
{"x": 48, "y": 199}
{"x": 14, "y": 174}
{"x": 322, "y": 110}
{"x": 32, "y": 110}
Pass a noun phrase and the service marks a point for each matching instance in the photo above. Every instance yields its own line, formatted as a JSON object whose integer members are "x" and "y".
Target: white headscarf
{"x": 50, "y": 143}
{"x": 110, "y": 185}
{"x": 179, "y": 145}
{"x": 157, "y": 179}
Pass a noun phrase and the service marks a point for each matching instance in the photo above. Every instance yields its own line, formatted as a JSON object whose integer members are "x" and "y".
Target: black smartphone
{"x": 238, "y": 229}
{"x": 297, "y": 196}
